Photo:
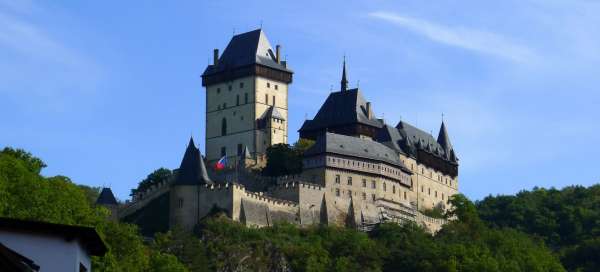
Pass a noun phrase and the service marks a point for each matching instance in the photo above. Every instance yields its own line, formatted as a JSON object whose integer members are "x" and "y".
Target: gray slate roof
{"x": 192, "y": 170}
{"x": 272, "y": 112}
{"x": 247, "y": 49}
{"x": 106, "y": 197}
{"x": 408, "y": 139}
{"x": 354, "y": 147}
{"x": 342, "y": 108}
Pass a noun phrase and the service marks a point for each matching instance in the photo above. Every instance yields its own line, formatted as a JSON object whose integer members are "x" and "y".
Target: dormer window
{"x": 268, "y": 85}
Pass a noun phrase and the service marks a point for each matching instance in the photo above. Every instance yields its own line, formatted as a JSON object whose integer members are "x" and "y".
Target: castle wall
{"x": 430, "y": 188}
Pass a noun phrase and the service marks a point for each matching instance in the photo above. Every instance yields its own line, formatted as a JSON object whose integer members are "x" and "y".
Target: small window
{"x": 246, "y": 98}
{"x": 276, "y": 87}
{"x": 384, "y": 187}
{"x": 218, "y": 90}
{"x": 337, "y": 192}
{"x": 337, "y": 179}
{"x": 364, "y": 196}
{"x": 350, "y": 193}
{"x": 267, "y": 99}
{"x": 404, "y": 195}
{"x": 180, "y": 202}
{"x": 429, "y": 191}
{"x": 229, "y": 87}
{"x": 268, "y": 85}
{"x": 442, "y": 196}
{"x": 373, "y": 197}
{"x": 223, "y": 127}
{"x": 364, "y": 183}
{"x": 422, "y": 188}
{"x": 241, "y": 85}
{"x": 237, "y": 100}
{"x": 224, "y": 105}
{"x": 349, "y": 180}
{"x": 373, "y": 186}
{"x": 435, "y": 193}
{"x": 394, "y": 189}
{"x": 273, "y": 100}
{"x": 239, "y": 149}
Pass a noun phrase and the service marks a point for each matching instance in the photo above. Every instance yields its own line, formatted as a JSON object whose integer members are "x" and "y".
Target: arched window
{"x": 224, "y": 127}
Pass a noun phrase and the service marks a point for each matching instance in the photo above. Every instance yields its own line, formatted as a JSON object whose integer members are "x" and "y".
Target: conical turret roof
{"x": 106, "y": 197}
{"x": 192, "y": 170}
{"x": 444, "y": 140}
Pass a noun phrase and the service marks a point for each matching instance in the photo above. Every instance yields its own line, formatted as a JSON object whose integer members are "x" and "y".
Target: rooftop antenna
{"x": 358, "y": 83}
{"x": 442, "y": 117}
{"x": 330, "y": 88}
{"x": 260, "y": 24}
{"x": 233, "y": 32}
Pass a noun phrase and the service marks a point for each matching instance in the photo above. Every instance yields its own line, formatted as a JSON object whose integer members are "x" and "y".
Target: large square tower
{"x": 246, "y": 98}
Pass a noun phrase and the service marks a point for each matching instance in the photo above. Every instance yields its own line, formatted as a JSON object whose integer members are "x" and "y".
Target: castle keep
{"x": 359, "y": 172}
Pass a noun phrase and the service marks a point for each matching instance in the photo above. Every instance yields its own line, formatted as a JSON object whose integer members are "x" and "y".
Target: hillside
{"x": 504, "y": 233}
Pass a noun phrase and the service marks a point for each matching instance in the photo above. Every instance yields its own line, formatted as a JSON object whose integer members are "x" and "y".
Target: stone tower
{"x": 184, "y": 196}
{"x": 246, "y": 98}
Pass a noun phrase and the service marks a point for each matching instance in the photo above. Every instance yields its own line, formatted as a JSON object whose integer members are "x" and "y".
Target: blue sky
{"x": 107, "y": 91}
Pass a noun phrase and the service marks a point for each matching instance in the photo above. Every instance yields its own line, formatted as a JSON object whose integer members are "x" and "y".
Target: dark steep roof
{"x": 354, "y": 147}
{"x": 247, "y": 49}
{"x": 192, "y": 170}
{"x": 444, "y": 141}
{"x": 412, "y": 139}
{"x": 272, "y": 112}
{"x": 88, "y": 236}
{"x": 106, "y": 197}
{"x": 342, "y": 108}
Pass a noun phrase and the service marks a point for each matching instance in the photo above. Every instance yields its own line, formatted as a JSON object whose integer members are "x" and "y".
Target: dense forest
{"x": 538, "y": 230}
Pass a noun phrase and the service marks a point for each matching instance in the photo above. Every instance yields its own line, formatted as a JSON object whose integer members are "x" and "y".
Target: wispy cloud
{"x": 37, "y": 64}
{"x": 466, "y": 38}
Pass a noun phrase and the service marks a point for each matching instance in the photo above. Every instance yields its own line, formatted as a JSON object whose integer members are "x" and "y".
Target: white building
{"x": 51, "y": 247}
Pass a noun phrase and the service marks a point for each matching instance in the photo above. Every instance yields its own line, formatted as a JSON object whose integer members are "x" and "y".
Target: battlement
{"x": 224, "y": 186}
{"x": 270, "y": 200}
{"x": 296, "y": 184}
{"x": 150, "y": 191}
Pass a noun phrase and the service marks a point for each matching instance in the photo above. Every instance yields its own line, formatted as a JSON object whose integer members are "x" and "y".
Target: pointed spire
{"x": 106, "y": 197}
{"x": 191, "y": 143}
{"x": 444, "y": 140}
{"x": 344, "y": 83}
{"x": 192, "y": 170}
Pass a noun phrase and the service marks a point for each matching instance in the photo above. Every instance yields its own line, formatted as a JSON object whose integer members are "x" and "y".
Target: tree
{"x": 282, "y": 160}
{"x": 156, "y": 177}
{"x": 302, "y": 145}
{"x": 32, "y": 163}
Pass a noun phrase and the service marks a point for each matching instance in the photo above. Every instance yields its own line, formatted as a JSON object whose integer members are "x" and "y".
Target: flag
{"x": 220, "y": 165}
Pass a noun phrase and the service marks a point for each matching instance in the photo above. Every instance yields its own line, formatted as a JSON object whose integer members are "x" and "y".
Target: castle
{"x": 359, "y": 172}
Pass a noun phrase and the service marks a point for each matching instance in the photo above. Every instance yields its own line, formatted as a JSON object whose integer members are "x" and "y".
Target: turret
{"x": 444, "y": 141}
{"x": 183, "y": 196}
{"x": 107, "y": 199}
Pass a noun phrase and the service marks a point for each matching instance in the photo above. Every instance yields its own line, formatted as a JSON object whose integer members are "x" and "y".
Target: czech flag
{"x": 221, "y": 163}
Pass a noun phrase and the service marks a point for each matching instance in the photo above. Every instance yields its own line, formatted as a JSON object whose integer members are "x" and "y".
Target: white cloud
{"x": 39, "y": 70}
{"x": 466, "y": 38}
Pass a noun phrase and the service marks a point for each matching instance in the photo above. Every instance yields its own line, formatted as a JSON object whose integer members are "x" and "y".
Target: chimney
{"x": 216, "y": 57}
{"x": 278, "y": 53}
{"x": 368, "y": 108}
